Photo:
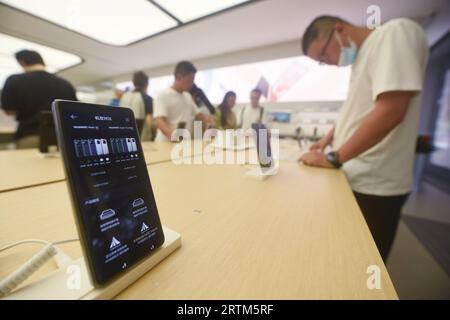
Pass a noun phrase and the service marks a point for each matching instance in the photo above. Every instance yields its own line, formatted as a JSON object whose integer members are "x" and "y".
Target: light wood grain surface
{"x": 296, "y": 235}
{"x": 27, "y": 168}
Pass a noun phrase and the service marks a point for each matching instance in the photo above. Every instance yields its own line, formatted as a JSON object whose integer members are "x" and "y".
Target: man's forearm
{"x": 165, "y": 129}
{"x": 372, "y": 130}
{"x": 167, "y": 132}
{"x": 329, "y": 136}
{"x": 390, "y": 110}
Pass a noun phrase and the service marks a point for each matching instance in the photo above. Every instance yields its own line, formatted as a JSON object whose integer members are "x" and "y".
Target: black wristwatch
{"x": 333, "y": 158}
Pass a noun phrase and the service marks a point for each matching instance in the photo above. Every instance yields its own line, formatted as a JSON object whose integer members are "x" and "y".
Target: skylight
{"x": 121, "y": 23}
{"x": 112, "y": 22}
{"x": 186, "y": 11}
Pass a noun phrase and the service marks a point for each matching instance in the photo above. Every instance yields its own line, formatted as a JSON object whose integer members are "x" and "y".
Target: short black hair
{"x": 29, "y": 57}
{"x": 319, "y": 27}
{"x": 184, "y": 68}
{"x": 140, "y": 80}
{"x": 257, "y": 90}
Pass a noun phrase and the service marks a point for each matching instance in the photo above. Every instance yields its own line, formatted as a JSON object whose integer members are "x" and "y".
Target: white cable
{"x": 33, "y": 264}
{"x": 65, "y": 241}
{"x": 24, "y": 242}
{"x": 27, "y": 269}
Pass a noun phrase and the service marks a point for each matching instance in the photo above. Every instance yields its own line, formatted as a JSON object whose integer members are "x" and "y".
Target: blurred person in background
{"x": 174, "y": 106}
{"x": 141, "y": 103}
{"x": 25, "y": 95}
{"x": 224, "y": 116}
{"x": 253, "y": 113}
{"x": 116, "y": 100}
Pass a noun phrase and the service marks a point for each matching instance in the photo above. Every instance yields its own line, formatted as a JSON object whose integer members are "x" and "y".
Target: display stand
{"x": 73, "y": 282}
{"x": 260, "y": 173}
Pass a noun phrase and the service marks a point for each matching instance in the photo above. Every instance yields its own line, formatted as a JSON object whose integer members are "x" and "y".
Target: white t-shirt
{"x": 134, "y": 101}
{"x": 249, "y": 115}
{"x": 176, "y": 107}
{"x": 392, "y": 58}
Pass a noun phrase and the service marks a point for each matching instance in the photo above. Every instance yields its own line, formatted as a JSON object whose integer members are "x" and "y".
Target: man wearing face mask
{"x": 375, "y": 134}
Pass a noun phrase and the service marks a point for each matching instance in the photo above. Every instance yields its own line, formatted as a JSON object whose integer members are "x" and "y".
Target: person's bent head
{"x": 29, "y": 58}
{"x": 184, "y": 76}
{"x": 255, "y": 95}
{"x": 140, "y": 81}
{"x": 331, "y": 40}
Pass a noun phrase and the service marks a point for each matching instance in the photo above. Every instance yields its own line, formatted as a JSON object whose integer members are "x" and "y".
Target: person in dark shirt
{"x": 26, "y": 95}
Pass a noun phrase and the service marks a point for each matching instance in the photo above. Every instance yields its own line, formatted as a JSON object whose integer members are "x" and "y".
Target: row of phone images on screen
{"x": 99, "y": 147}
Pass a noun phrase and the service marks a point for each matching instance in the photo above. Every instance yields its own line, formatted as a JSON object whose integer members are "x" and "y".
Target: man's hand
{"x": 161, "y": 124}
{"x": 319, "y": 146}
{"x": 323, "y": 143}
{"x": 206, "y": 120}
{"x": 316, "y": 159}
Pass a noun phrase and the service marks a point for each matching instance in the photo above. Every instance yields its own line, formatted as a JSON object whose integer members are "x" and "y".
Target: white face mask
{"x": 348, "y": 54}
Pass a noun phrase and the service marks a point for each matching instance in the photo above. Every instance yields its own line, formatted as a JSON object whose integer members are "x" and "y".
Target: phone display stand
{"x": 260, "y": 173}
{"x": 226, "y": 141}
{"x": 74, "y": 283}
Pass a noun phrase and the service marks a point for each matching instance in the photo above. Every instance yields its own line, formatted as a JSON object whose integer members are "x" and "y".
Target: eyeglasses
{"x": 322, "y": 58}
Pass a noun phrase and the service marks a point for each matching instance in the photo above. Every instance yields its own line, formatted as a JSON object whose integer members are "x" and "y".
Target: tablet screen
{"x": 112, "y": 197}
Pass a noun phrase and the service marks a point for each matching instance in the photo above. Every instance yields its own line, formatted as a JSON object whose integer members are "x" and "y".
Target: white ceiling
{"x": 254, "y": 25}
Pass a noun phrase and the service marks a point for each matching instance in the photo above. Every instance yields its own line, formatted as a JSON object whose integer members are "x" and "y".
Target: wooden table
{"x": 296, "y": 235}
{"x": 28, "y": 167}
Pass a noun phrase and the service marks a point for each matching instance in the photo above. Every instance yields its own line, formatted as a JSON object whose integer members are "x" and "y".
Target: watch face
{"x": 332, "y": 157}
